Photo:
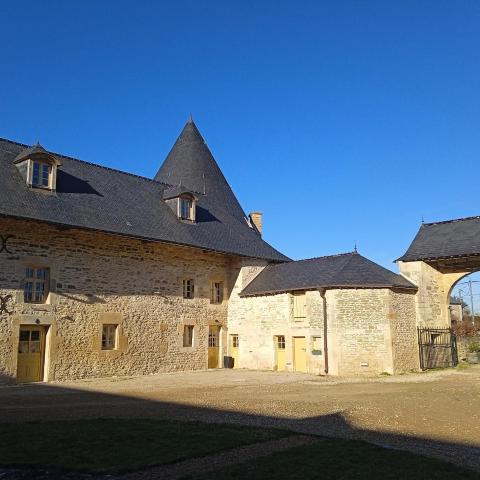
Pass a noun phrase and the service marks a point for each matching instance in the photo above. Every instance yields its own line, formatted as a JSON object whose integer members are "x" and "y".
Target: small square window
{"x": 109, "y": 337}
{"x": 35, "y": 289}
{"x": 188, "y": 288}
{"x": 216, "y": 292}
{"x": 317, "y": 343}
{"x": 188, "y": 335}
{"x": 281, "y": 342}
{"x": 235, "y": 341}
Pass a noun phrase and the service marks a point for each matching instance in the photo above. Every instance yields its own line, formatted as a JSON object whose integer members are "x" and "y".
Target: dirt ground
{"x": 435, "y": 413}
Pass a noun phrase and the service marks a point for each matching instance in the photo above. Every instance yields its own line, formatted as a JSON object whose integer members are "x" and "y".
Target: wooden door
{"x": 31, "y": 354}
{"x": 234, "y": 346}
{"x": 280, "y": 352}
{"x": 299, "y": 354}
{"x": 213, "y": 346}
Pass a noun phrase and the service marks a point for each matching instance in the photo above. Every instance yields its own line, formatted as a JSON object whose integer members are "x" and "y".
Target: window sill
{"x": 37, "y": 307}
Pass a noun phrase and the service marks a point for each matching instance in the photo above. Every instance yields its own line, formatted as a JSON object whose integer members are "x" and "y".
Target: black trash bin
{"x": 228, "y": 362}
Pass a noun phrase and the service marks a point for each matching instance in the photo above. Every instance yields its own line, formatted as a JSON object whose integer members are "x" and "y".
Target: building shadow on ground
{"x": 39, "y": 402}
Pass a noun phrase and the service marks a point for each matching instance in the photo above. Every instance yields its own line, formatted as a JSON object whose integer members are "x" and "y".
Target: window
{"x": 213, "y": 337}
{"x": 188, "y": 336}
{"x": 41, "y": 175}
{"x": 299, "y": 304}
{"x": 186, "y": 209}
{"x": 281, "y": 342}
{"x": 188, "y": 288}
{"x": 317, "y": 345}
{"x": 217, "y": 292}
{"x": 109, "y": 337}
{"x": 235, "y": 341}
{"x": 36, "y": 285}
{"x": 29, "y": 341}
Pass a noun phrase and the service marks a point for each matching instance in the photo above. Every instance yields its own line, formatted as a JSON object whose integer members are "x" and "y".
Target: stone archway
{"x": 440, "y": 255}
{"x": 435, "y": 285}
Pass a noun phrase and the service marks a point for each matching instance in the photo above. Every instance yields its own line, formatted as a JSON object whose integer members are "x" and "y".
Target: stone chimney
{"x": 256, "y": 218}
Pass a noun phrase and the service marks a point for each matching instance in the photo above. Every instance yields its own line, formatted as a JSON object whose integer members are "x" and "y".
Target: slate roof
{"x": 94, "y": 197}
{"x": 190, "y": 164}
{"x": 453, "y": 238}
{"x": 33, "y": 151}
{"x": 347, "y": 270}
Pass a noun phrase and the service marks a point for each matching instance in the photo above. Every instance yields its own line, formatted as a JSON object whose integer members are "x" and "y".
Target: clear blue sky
{"x": 342, "y": 121}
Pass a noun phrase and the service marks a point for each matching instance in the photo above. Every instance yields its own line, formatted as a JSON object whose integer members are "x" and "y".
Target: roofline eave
{"x": 426, "y": 259}
{"x": 330, "y": 287}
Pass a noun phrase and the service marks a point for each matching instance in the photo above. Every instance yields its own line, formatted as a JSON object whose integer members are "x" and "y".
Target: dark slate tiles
{"x": 344, "y": 270}
{"x": 453, "y": 238}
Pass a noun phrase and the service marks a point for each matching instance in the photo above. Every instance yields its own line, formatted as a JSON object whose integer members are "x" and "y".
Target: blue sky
{"x": 343, "y": 121}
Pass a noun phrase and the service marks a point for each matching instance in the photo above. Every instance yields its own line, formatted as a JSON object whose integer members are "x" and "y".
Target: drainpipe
{"x": 325, "y": 329}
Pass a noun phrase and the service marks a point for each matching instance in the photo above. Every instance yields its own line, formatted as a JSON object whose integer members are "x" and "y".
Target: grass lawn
{"x": 118, "y": 445}
{"x": 342, "y": 460}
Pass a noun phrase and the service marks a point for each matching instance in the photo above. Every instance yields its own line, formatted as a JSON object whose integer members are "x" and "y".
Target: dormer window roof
{"x": 182, "y": 201}
{"x": 38, "y": 167}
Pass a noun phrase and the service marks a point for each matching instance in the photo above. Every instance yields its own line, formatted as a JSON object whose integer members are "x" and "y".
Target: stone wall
{"x": 359, "y": 331}
{"x": 98, "y": 278}
{"x": 462, "y": 346}
{"x": 403, "y": 323}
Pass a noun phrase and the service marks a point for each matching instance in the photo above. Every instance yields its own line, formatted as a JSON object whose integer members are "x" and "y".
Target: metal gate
{"x": 438, "y": 348}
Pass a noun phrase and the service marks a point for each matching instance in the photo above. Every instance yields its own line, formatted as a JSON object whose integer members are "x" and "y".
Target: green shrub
{"x": 474, "y": 347}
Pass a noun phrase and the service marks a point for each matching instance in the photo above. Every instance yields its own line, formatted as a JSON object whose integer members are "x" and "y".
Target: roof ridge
{"x": 344, "y": 265}
{"x": 451, "y": 221}
{"x": 95, "y": 164}
{"x": 325, "y": 256}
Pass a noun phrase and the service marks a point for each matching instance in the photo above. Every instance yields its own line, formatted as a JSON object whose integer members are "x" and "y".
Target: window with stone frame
{"x": 41, "y": 175}
{"x": 188, "y": 335}
{"x": 216, "y": 293}
{"x": 188, "y": 288}
{"x": 109, "y": 336}
{"x": 35, "y": 288}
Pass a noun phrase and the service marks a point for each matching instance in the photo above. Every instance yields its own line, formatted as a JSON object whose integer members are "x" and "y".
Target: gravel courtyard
{"x": 435, "y": 413}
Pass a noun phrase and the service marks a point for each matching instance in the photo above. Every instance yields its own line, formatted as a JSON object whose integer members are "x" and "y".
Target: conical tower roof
{"x": 190, "y": 164}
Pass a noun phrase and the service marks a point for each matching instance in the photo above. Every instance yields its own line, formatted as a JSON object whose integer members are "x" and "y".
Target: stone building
{"x": 107, "y": 273}
{"x": 341, "y": 314}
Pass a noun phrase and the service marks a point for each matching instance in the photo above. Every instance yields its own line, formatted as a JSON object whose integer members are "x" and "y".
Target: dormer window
{"x": 186, "y": 209}
{"x": 41, "y": 175}
{"x": 182, "y": 202}
{"x": 38, "y": 167}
